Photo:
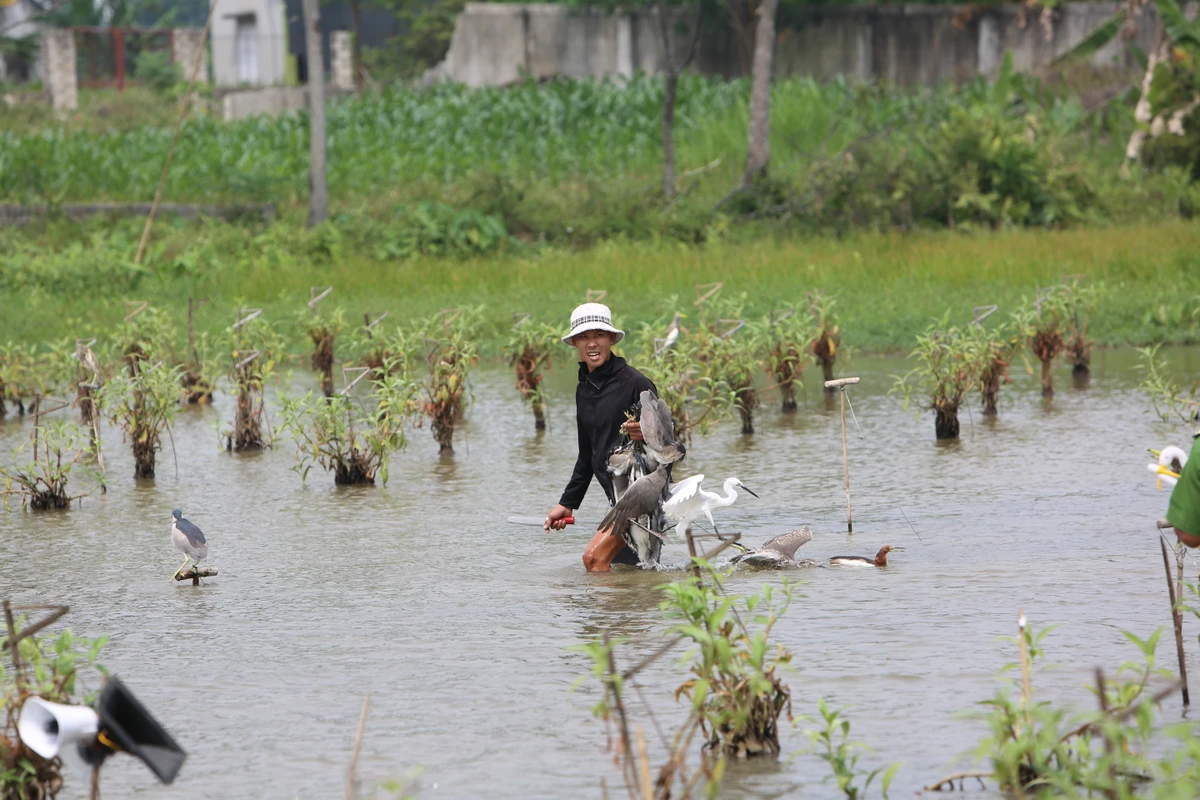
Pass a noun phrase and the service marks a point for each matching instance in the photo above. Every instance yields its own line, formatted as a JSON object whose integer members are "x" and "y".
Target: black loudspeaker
{"x": 128, "y": 726}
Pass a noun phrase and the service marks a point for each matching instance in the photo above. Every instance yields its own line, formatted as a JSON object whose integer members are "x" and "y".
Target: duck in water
{"x": 880, "y": 559}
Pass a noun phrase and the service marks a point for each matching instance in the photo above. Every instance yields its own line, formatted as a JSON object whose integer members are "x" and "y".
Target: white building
{"x": 249, "y": 43}
{"x": 17, "y": 21}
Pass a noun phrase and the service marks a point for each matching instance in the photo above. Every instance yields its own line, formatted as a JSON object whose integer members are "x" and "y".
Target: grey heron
{"x": 643, "y": 498}
{"x": 688, "y": 501}
{"x": 880, "y": 559}
{"x": 777, "y": 553}
{"x": 188, "y": 539}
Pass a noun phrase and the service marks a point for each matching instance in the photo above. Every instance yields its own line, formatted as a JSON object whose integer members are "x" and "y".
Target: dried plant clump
{"x": 449, "y": 354}
{"x": 530, "y": 349}
{"x": 322, "y": 331}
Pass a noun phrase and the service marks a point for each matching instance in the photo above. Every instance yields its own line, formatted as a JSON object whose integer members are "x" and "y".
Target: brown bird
{"x": 777, "y": 553}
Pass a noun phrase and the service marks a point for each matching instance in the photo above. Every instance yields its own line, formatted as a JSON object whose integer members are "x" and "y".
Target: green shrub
{"x": 154, "y": 69}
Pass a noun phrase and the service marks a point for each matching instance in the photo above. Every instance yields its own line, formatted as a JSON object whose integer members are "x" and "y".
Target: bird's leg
{"x": 186, "y": 559}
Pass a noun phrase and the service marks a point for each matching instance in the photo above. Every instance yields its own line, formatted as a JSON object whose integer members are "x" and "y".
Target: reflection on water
{"x": 460, "y": 624}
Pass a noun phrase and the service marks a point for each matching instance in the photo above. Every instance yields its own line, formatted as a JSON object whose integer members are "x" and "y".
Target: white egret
{"x": 880, "y": 559}
{"x": 688, "y": 502}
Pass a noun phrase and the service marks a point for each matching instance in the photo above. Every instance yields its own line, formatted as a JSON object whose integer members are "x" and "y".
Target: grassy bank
{"x": 888, "y": 286}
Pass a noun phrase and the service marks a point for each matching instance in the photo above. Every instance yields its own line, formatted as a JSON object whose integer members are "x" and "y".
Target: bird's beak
{"x": 897, "y": 548}
{"x": 751, "y": 491}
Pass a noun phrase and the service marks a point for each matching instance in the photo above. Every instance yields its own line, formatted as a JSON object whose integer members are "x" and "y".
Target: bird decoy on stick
{"x": 777, "y": 553}
{"x": 880, "y": 559}
{"x": 189, "y": 540}
{"x": 688, "y": 502}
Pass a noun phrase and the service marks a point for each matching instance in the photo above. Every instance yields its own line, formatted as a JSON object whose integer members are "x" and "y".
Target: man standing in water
{"x": 1184, "y": 509}
{"x": 608, "y": 387}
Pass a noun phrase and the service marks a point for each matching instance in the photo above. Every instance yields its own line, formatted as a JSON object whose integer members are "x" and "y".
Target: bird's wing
{"x": 642, "y": 497}
{"x": 657, "y": 428}
{"x": 788, "y": 543}
{"x": 683, "y": 491}
{"x": 194, "y": 534}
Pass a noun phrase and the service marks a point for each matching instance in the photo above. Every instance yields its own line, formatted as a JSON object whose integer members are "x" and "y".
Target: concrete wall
{"x": 188, "y": 53}
{"x": 342, "y": 63}
{"x": 58, "y": 67}
{"x": 271, "y": 100}
{"x": 270, "y": 41}
{"x": 494, "y": 44}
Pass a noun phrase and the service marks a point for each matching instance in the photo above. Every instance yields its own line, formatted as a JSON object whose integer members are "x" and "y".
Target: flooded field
{"x": 459, "y": 624}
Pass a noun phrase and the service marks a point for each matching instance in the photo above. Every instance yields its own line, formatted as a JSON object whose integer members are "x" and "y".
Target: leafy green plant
{"x": 731, "y": 355}
{"x": 828, "y": 336}
{"x": 834, "y": 746}
{"x": 57, "y": 669}
{"x": 997, "y": 347}
{"x": 154, "y": 69}
{"x": 1042, "y": 322}
{"x": 55, "y": 449}
{"x": 530, "y": 350}
{"x": 450, "y": 352}
{"x": 351, "y": 438}
{"x": 322, "y": 329}
{"x": 950, "y": 362}
{"x": 256, "y": 349}
{"x": 1080, "y": 301}
{"x": 788, "y": 332}
{"x": 143, "y": 404}
{"x": 734, "y": 683}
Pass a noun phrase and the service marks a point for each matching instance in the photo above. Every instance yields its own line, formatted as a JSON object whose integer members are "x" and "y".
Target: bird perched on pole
{"x": 644, "y": 497}
{"x": 188, "y": 539}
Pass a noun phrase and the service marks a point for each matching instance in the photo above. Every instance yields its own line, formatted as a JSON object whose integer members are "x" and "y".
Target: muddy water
{"x": 459, "y": 624}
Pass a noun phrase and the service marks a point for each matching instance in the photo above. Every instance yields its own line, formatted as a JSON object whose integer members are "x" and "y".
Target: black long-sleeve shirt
{"x": 601, "y": 400}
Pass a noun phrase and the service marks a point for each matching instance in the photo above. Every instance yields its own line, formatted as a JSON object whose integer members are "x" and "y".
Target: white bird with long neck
{"x": 1171, "y": 461}
{"x": 688, "y": 502}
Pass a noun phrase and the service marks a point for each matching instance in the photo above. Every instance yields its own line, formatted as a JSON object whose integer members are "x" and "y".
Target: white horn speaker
{"x": 47, "y": 728}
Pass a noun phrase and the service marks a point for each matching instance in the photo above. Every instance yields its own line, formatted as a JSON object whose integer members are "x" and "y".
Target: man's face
{"x": 594, "y": 347}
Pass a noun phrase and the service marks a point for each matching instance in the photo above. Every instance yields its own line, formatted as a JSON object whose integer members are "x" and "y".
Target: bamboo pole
{"x": 840, "y": 385}
{"x": 1176, "y": 618}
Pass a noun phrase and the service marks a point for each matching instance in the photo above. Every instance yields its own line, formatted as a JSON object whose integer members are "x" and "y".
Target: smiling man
{"x": 608, "y": 387}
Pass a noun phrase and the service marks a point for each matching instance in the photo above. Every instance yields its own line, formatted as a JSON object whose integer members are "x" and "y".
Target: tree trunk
{"x": 1141, "y": 112}
{"x": 827, "y": 372}
{"x": 670, "y": 88}
{"x": 758, "y": 149}
{"x": 539, "y": 415}
{"x": 356, "y": 45}
{"x": 945, "y": 423}
{"x": 318, "y": 196}
{"x": 1047, "y": 378}
{"x": 989, "y": 382}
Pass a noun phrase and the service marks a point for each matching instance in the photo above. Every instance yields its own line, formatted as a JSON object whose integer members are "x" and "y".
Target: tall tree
{"x": 318, "y": 196}
{"x": 673, "y": 68}
{"x": 758, "y": 148}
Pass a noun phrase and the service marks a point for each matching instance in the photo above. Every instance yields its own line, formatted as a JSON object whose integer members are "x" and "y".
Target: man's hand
{"x": 634, "y": 429}
{"x": 555, "y": 518}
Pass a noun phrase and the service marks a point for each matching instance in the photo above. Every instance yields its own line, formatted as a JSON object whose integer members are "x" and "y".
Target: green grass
{"x": 888, "y": 286}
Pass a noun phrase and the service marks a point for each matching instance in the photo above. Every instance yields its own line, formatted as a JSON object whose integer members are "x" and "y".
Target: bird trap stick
{"x": 595, "y": 295}
{"x": 520, "y": 318}
{"x": 251, "y": 314}
{"x": 983, "y": 312}
{"x": 350, "y": 384}
{"x": 1176, "y": 612}
{"x": 840, "y": 385}
{"x": 315, "y": 298}
{"x": 705, "y": 291}
{"x": 370, "y": 324}
{"x": 134, "y": 307}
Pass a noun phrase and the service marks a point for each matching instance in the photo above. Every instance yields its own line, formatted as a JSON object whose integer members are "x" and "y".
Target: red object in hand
{"x": 567, "y": 520}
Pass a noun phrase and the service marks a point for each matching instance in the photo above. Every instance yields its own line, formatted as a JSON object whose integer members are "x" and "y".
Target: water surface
{"x": 460, "y": 624}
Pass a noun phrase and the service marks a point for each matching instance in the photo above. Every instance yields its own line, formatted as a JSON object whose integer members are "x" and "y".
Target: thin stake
{"x": 840, "y": 384}
{"x": 351, "y": 783}
{"x": 1177, "y": 618}
{"x": 691, "y": 543}
{"x": 644, "y": 766}
{"x": 1026, "y": 665}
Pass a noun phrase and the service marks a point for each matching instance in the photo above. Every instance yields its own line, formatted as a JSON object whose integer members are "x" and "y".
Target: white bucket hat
{"x": 592, "y": 317}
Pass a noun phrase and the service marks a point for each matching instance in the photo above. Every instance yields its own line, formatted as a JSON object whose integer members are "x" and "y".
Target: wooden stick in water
{"x": 1177, "y": 619}
{"x": 644, "y": 767}
{"x": 840, "y": 384}
{"x": 351, "y": 779}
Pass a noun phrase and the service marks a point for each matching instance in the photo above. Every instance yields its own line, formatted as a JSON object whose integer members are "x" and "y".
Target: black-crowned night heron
{"x": 688, "y": 502}
{"x": 777, "y": 553}
{"x": 644, "y": 497}
{"x": 880, "y": 559}
{"x": 188, "y": 539}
